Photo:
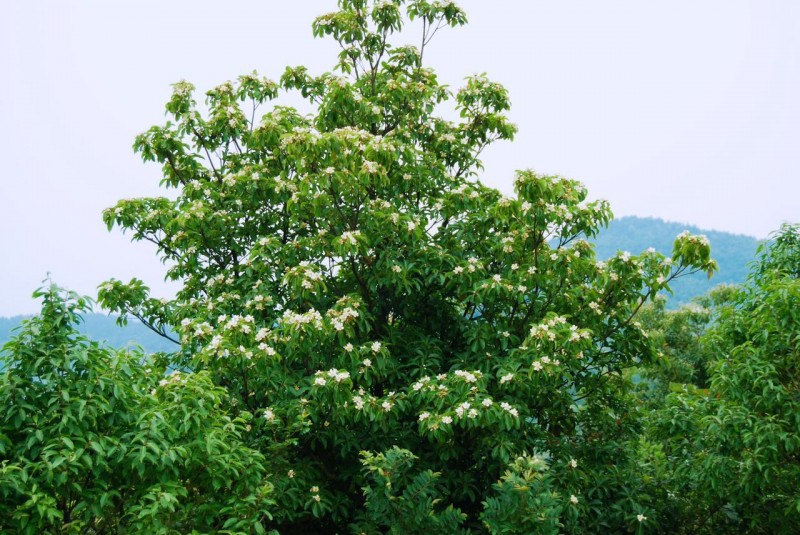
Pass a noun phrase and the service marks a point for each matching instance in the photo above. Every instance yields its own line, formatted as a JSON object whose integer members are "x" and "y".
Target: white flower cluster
{"x": 350, "y": 237}
{"x": 216, "y": 341}
{"x": 307, "y": 273}
{"x": 554, "y": 326}
{"x": 699, "y": 239}
{"x": 333, "y": 374}
{"x": 473, "y": 264}
{"x": 339, "y": 317}
{"x": 202, "y": 329}
{"x": 312, "y": 317}
{"x": 262, "y": 334}
{"x": 370, "y": 167}
{"x": 466, "y": 407}
{"x": 419, "y": 384}
{"x": 509, "y": 409}
{"x": 538, "y": 365}
{"x": 469, "y": 377}
{"x": 269, "y": 350}
{"x": 236, "y": 322}
{"x": 176, "y": 377}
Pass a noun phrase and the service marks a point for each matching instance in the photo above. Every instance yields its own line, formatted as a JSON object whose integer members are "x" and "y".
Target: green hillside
{"x": 635, "y": 234}
{"x": 103, "y": 328}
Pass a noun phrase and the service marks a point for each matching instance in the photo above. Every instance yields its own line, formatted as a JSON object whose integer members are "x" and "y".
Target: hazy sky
{"x": 686, "y": 110}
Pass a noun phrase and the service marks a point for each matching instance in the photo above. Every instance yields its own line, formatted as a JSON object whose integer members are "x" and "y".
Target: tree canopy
{"x": 348, "y": 278}
{"x": 391, "y": 345}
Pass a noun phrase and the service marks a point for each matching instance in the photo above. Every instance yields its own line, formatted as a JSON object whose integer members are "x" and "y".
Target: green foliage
{"x": 734, "y": 451}
{"x": 99, "y": 440}
{"x": 733, "y": 252}
{"x": 347, "y": 277}
{"x": 104, "y": 329}
{"x": 683, "y": 355}
{"x": 400, "y": 500}
{"x": 524, "y": 500}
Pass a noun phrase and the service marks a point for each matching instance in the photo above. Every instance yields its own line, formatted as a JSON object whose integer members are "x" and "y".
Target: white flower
{"x": 397, "y": 269}
{"x": 573, "y": 463}
{"x": 411, "y": 225}
{"x": 472, "y": 413}
{"x": 537, "y": 366}
{"x": 387, "y": 406}
{"x": 424, "y": 416}
{"x": 320, "y": 381}
{"x": 458, "y": 269}
{"x": 269, "y": 415}
{"x": 486, "y": 402}
{"x": 506, "y": 378}
{"x": 447, "y": 420}
{"x": 262, "y": 333}
{"x": 376, "y": 346}
{"x": 640, "y": 517}
{"x": 509, "y": 409}
{"x": 367, "y": 363}
{"x": 348, "y": 347}
{"x": 290, "y": 473}
{"x": 573, "y": 499}
{"x": 467, "y": 376}
{"x": 329, "y": 170}
{"x": 341, "y": 376}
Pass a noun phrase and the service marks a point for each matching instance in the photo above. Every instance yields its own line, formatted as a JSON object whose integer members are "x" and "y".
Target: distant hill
{"x": 103, "y": 328}
{"x": 635, "y": 234}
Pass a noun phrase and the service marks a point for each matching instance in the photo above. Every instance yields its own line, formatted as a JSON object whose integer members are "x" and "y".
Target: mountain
{"x": 635, "y": 234}
{"x": 103, "y": 328}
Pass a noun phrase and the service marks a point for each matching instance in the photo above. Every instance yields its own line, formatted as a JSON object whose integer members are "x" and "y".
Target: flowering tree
{"x": 416, "y": 345}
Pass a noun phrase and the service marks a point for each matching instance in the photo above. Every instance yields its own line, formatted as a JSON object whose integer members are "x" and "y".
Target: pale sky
{"x": 686, "y": 110}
